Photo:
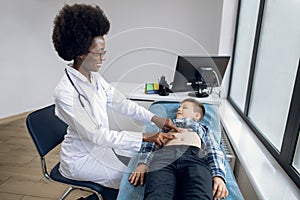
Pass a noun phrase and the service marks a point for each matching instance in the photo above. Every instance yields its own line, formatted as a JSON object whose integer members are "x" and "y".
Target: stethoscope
{"x": 81, "y": 99}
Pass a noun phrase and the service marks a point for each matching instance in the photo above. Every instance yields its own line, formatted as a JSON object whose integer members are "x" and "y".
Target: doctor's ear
{"x": 80, "y": 58}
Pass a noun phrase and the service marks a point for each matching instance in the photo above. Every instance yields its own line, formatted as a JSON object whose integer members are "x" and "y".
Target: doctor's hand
{"x": 164, "y": 123}
{"x": 138, "y": 176}
{"x": 219, "y": 188}
{"x": 159, "y": 138}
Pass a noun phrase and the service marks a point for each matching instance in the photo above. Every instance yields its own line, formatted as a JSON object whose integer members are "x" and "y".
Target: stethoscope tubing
{"x": 80, "y": 95}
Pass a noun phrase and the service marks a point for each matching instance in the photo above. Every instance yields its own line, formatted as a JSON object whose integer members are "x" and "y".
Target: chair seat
{"x": 56, "y": 175}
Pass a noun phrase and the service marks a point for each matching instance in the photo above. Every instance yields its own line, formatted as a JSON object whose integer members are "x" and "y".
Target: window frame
{"x": 291, "y": 133}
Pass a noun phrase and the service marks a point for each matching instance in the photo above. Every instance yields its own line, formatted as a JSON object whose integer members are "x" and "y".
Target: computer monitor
{"x": 208, "y": 70}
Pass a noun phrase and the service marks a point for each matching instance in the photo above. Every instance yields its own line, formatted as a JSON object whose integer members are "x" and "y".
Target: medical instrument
{"x": 81, "y": 99}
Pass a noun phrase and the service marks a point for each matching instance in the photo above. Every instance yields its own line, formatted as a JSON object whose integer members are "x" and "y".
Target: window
{"x": 243, "y": 51}
{"x": 296, "y": 162}
{"x": 267, "y": 101}
{"x": 275, "y": 69}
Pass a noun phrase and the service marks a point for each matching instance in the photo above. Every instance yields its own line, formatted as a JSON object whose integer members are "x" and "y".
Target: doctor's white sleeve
{"x": 118, "y": 102}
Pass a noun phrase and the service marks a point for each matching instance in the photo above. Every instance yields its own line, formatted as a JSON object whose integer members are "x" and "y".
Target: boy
{"x": 184, "y": 166}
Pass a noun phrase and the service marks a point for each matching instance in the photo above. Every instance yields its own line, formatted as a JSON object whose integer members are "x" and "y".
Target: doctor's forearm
{"x": 164, "y": 123}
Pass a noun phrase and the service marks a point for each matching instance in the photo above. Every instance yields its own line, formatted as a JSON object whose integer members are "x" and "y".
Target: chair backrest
{"x": 46, "y": 130}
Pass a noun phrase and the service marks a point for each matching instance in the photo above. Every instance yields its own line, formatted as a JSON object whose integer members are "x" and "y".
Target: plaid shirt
{"x": 213, "y": 154}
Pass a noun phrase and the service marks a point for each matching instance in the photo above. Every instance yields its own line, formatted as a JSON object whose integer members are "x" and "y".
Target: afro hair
{"x": 75, "y": 27}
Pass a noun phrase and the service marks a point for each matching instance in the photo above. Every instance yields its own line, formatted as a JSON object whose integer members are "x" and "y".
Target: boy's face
{"x": 186, "y": 110}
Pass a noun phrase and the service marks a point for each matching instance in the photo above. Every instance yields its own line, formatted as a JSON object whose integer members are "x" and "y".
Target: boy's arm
{"x": 138, "y": 175}
{"x": 215, "y": 156}
{"x": 216, "y": 162}
{"x": 145, "y": 155}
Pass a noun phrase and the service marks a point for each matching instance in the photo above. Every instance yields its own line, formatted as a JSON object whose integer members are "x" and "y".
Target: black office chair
{"x": 48, "y": 131}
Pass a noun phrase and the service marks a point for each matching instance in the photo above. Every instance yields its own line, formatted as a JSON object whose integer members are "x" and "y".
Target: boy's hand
{"x": 219, "y": 188}
{"x": 138, "y": 176}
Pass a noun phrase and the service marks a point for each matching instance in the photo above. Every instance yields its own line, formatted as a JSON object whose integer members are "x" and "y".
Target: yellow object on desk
{"x": 151, "y": 88}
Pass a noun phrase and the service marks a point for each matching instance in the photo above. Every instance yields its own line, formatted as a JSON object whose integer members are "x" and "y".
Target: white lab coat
{"x": 86, "y": 152}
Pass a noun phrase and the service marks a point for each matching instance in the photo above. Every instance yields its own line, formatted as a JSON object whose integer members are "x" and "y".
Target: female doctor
{"x": 89, "y": 150}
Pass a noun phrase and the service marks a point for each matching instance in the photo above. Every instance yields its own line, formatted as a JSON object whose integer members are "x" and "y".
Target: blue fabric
{"x": 168, "y": 110}
{"x": 231, "y": 184}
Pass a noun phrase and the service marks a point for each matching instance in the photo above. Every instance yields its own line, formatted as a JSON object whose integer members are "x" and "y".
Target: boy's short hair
{"x": 198, "y": 107}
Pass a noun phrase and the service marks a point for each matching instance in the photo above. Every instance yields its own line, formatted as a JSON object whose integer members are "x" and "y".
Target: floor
{"x": 20, "y": 170}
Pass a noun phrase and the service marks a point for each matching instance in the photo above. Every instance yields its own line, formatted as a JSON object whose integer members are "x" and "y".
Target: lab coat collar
{"x": 76, "y": 73}
{"x": 81, "y": 77}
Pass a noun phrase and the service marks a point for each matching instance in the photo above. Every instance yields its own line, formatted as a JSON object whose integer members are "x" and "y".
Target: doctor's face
{"x": 93, "y": 60}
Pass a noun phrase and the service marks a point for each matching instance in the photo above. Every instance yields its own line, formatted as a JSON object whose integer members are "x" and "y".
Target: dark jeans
{"x": 178, "y": 172}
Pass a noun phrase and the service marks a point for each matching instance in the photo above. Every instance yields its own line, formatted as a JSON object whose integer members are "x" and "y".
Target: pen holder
{"x": 163, "y": 87}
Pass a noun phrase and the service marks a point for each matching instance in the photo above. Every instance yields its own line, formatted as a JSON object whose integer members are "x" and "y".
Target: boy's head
{"x": 191, "y": 108}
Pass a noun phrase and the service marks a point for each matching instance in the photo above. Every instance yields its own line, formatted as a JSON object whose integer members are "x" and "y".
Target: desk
{"x": 135, "y": 92}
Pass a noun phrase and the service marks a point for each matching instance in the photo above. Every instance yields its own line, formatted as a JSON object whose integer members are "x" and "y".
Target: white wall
{"x": 142, "y": 44}
{"x": 227, "y": 35}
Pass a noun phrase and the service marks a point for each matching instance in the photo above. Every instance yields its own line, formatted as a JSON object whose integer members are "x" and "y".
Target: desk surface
{"x": 135, "y": 91}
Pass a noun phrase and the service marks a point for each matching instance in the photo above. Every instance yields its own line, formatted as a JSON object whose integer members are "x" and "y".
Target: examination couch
{"x": 169, "y": 109}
